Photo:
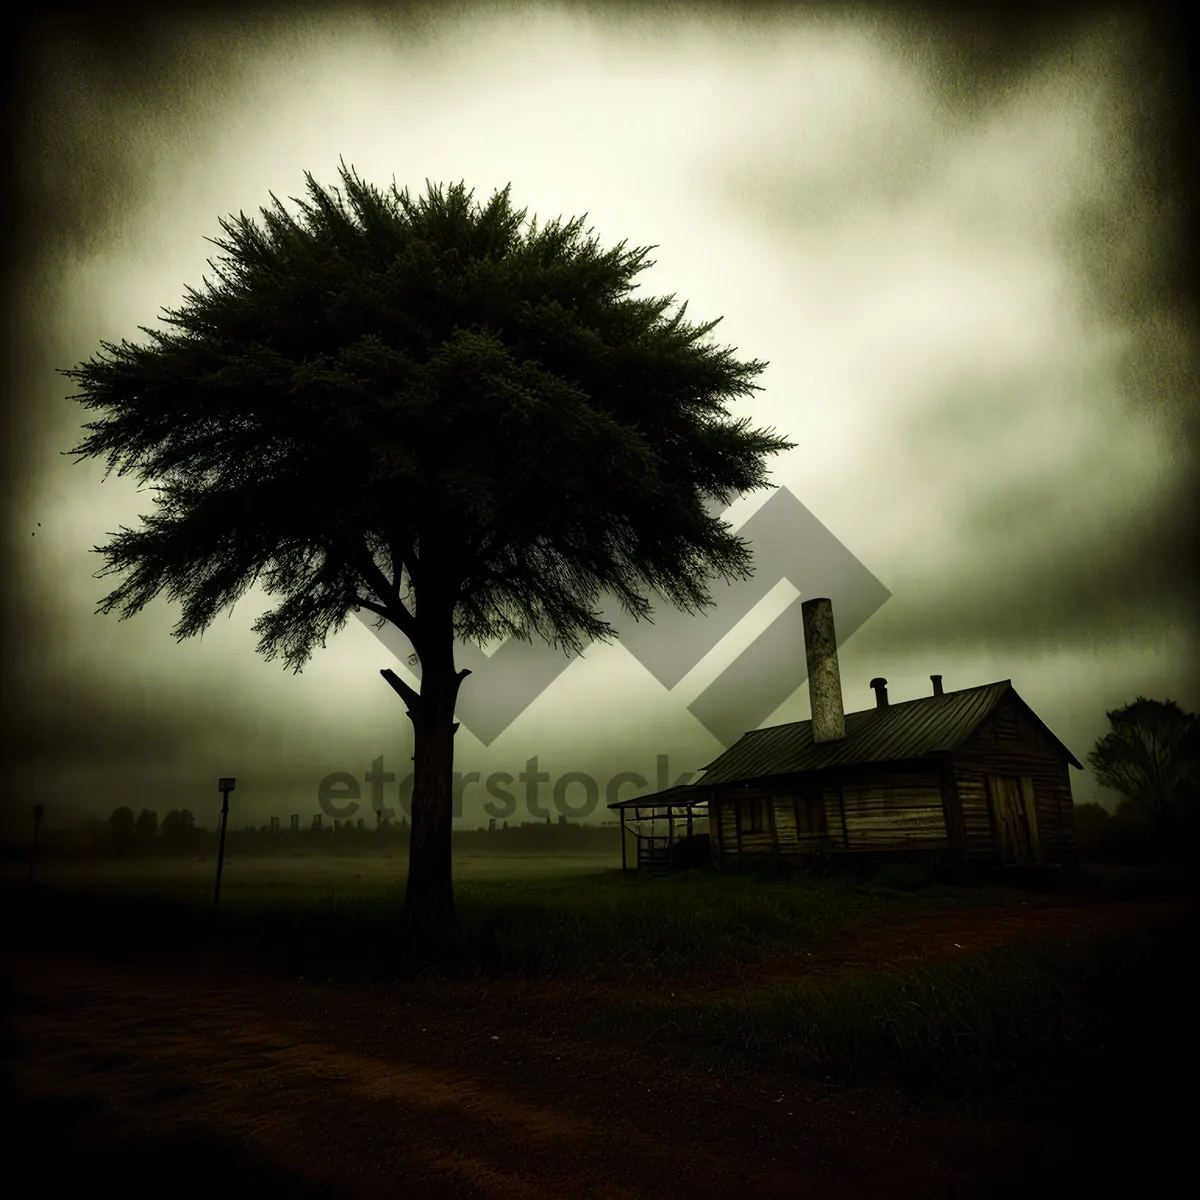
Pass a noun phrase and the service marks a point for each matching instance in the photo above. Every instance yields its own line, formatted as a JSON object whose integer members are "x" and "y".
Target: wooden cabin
{"x": 972, "y": 778}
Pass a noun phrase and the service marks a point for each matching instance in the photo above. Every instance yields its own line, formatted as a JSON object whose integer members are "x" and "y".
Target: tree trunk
{"x": 429, "y": 898}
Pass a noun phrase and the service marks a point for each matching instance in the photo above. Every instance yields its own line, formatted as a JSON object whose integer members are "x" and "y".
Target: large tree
{"x": 433, "y": 411}
{"x": 1151, "y": 756}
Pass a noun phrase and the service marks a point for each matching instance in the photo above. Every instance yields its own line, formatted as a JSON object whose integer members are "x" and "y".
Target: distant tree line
{"x": 125, "y": 835}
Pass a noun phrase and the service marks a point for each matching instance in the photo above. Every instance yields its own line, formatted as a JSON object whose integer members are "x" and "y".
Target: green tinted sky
{"x": 960, "y": 268}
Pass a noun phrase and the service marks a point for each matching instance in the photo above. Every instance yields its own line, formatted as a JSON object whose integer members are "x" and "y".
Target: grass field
{"x": 604, "y": 990}
{"x": 534, "y": 915}
{"x": 297, "y": 876}
{"x": 1063, "y": 1019}
{"x": 976, "y": 1006}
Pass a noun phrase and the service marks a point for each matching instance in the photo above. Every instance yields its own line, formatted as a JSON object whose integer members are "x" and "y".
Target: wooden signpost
{"x": 226, "y": 786}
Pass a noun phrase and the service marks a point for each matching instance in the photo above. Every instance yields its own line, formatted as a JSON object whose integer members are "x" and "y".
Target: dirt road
{"x": 174, "y": 1076}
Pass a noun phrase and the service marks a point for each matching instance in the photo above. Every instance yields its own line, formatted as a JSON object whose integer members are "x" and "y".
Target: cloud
{"x": 960, "y": 250}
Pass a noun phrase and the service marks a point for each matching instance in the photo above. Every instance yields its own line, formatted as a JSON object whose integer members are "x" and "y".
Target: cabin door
{"x": 1014, "y": 819}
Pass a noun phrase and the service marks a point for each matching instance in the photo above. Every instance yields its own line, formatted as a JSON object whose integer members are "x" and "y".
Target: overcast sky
{"x": 959, "y": 272}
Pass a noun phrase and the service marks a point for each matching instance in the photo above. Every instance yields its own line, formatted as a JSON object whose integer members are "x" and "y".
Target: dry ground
{"x": 195, "y": 1074}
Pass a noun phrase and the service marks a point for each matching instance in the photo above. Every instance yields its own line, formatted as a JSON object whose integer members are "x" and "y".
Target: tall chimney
{"x": 937, "y": 685}
{"x": 824, "y": 678}
{"x": 880, "y": 686}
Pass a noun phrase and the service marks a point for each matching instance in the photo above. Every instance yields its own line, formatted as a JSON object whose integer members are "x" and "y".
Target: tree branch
{"x": 411, "y": 699}
{"x": 371, "y": 606}
{"x": 401, "y": 561}
{"x": 393, "y": 607}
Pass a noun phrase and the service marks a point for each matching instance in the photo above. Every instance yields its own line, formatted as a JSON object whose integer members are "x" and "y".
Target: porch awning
{"x": 683, "y": 797}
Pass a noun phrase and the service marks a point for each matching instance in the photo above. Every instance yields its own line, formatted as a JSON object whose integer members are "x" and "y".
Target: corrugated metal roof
{"x": 906, "y": 730}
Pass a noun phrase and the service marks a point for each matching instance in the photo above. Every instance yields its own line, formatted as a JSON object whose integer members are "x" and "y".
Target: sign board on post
{"x": 225, "y": 785}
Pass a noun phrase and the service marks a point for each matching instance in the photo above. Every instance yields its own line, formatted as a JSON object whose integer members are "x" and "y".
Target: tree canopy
{"x": 433, "y": 411}
{"x": 1151, "y": 756}
{"x": 414, "y": 385}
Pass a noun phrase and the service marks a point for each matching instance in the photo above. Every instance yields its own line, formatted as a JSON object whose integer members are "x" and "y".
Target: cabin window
{"x": 810, "y": 813}
{"x": 752, "y": 815}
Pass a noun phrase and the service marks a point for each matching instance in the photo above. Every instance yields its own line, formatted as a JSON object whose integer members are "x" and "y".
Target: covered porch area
{"x": 664, "y": 831}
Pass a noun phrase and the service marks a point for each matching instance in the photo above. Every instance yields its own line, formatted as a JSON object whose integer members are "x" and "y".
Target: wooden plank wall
{"x": 891, "y": 810}
{"x": 726, "y": 820}
{"x": 980, "y": 837}
{"x": 780, "y": 837}
{"x": 714, "y": 834}
{"x": 956, "y": 841}
{"x": 1011, "y": 744}
{"x": 789, "y": 838}
{"x": 764, "y": 842}
{"x": 895, "y": 811}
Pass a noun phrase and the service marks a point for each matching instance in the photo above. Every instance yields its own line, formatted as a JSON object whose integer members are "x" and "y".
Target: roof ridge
{"x": 916, "y": 727}
{"x": 858, "y": 712}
